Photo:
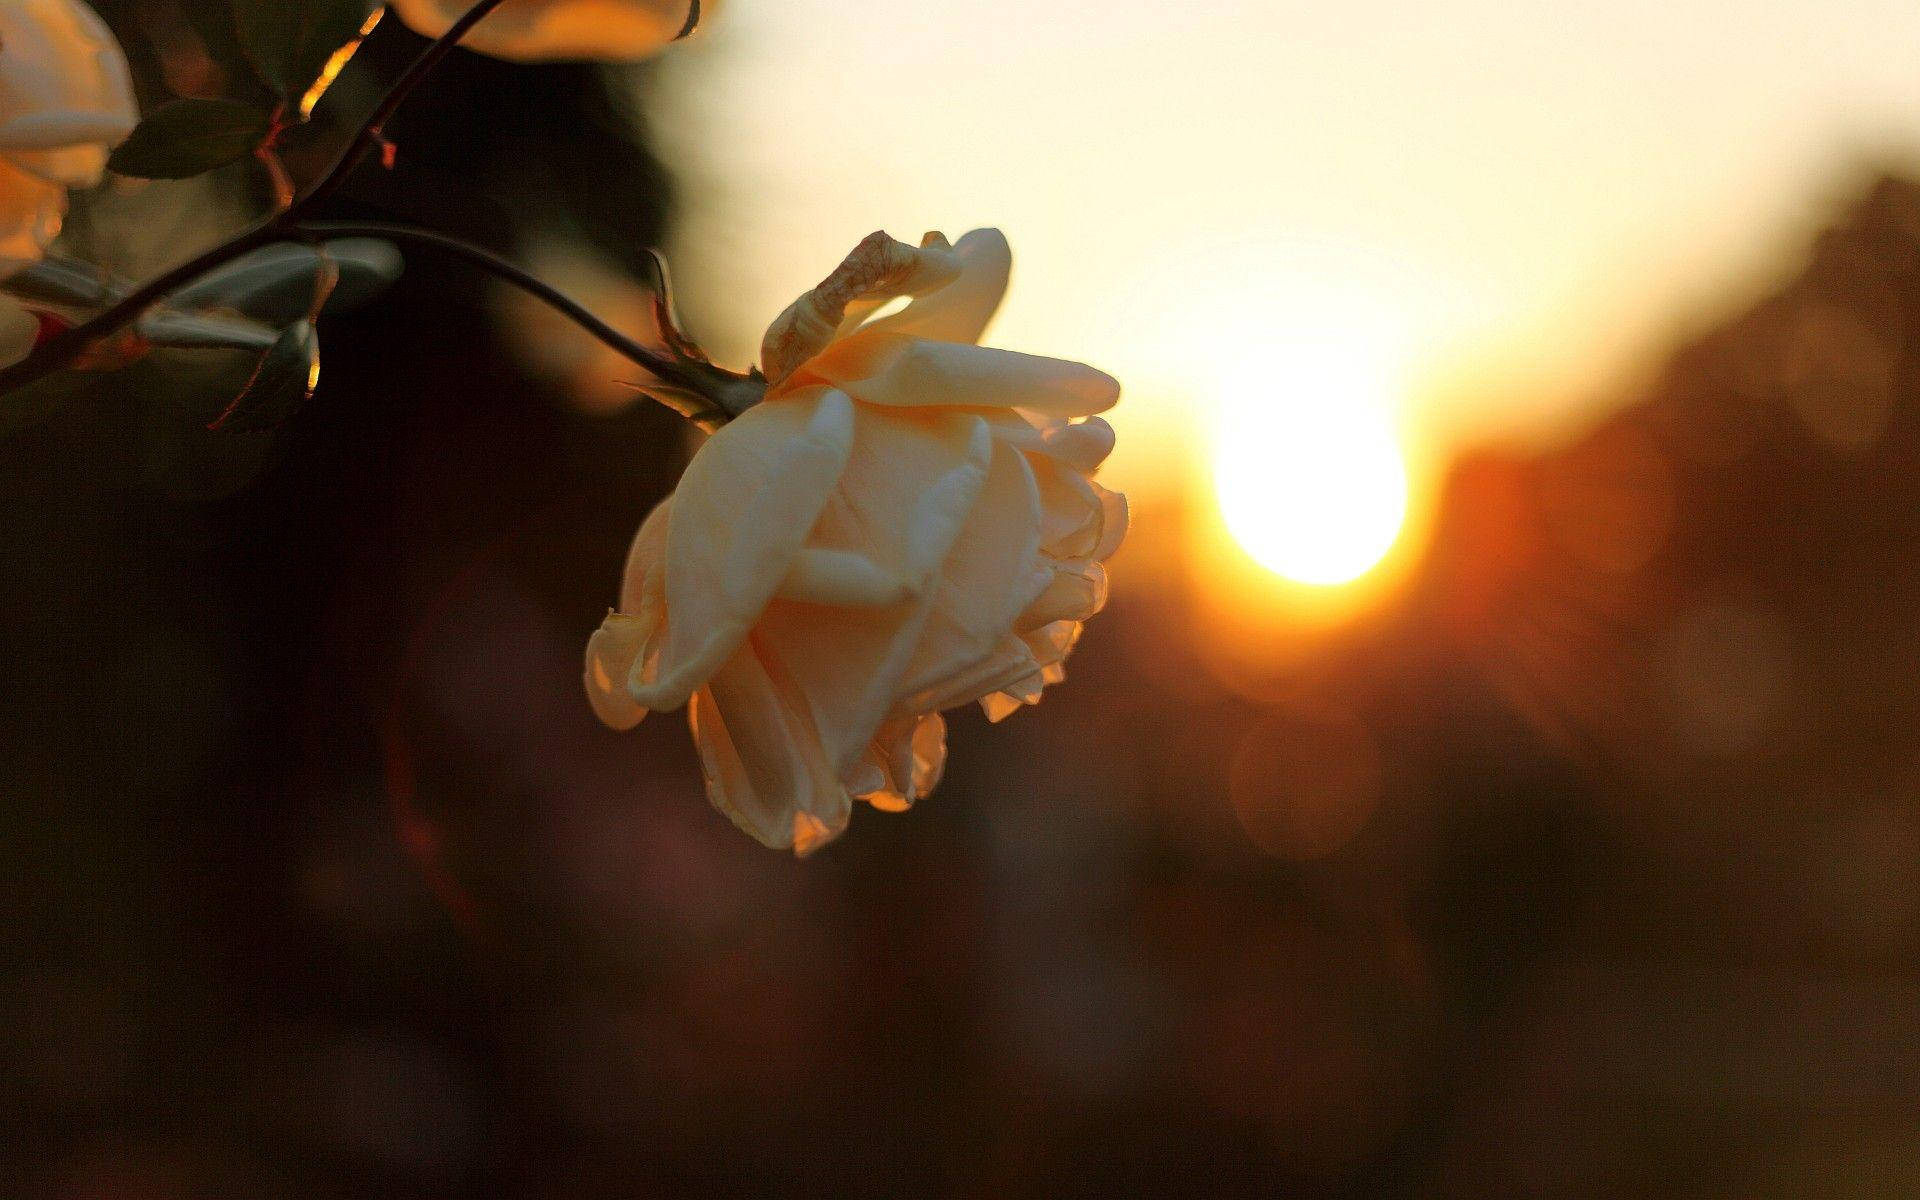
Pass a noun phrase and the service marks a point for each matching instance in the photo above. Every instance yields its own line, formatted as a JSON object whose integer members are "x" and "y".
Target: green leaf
{"x": 282, "y": 382}
{"x": 293, "y": 41}
{"x": 63, "y": 281}
{"x": 275, "y": 283}
{"x": 187, "y": 137}
{"x": 204, "y": 331}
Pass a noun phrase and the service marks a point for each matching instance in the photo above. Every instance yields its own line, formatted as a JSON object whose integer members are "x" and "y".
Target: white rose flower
{"x": 66, "y": 99}
{"x": 559, "y": 30}
{"x": 905, "y": 524}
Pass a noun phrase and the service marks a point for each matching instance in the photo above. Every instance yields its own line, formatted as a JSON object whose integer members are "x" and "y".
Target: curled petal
{"x": 1050, "y": 644}
{"x": 904, "y": 762}
{"x": 960, "y": 311}
{"x": 1009, "y": 662}
{"x": 1073, "y": 521}
{"x": 999, "y": 706}
{"x": 612, "y": 652}
{"x": 1114, "y": 520}
{"x": 1075, "y": 594}
{"x": 879, "y": 269}
{"x": 1083, "y": 445}
{"x": 644, "y": 582}
{"x": 761, "y": 755}
{"x": 1012, "y": 698}
{"x": 901, "y": 371}
{"x": 849, "y": 661}
{"x": 739, "y": 520}
{"x": 929, "y": 754}
{"x": 993, "y": 574}
{"x": 626, "y": 647}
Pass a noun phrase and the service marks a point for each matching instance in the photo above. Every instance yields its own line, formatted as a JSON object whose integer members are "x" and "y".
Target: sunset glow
{"x": 1309, "y": 477}
{"x": 1322, "y": 501}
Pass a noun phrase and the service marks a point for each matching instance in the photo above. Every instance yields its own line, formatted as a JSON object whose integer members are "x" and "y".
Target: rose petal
{"x": 644, "y": 580}
{"x": 849, "y": 661}
{"x": 1083, "y": 445}
{"x": 879, "y": 269}
{"x": 1073, "y": 517}
{"x": 761, "y": 755}
{"x": 739, "y": 520}
{"x": 863, "y": 307}
{"x": 894, "y": 369}
{"x": 999, "y": 706}
{"x": 993, "y": 574}
{"x": 1075, "y": 594}
{"x": 1009, "y": 662}
{"x": 611, "y": 653}
{"x": 960, "y": 311}
{"x": 1114, "y": 519}
{"x": 1050, "y": 644}
{"x": 905, "y": 761}
{"x": 628, "y": 641}
{"x": 845, "y": 579}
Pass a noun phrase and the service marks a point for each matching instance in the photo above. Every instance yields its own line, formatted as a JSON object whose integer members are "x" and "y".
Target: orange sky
{"x": 1490, "y": 210}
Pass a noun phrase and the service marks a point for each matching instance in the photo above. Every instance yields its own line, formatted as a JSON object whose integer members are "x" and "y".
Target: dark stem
{"x": 371, "y": 134}
{"x": 408, "y": 235}
{"x": 277, "y": 177}
{"x": 62, "y": 349}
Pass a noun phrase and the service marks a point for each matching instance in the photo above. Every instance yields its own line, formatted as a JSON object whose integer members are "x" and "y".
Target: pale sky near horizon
{"x": 1502, "y": 206}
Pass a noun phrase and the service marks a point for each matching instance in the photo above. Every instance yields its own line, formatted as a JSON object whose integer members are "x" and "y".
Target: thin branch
{"x": 371, "y": 134}
{"x": 64, "y": 349}
{"x": 277, "y": 177}
{"x": 667, "y": 369}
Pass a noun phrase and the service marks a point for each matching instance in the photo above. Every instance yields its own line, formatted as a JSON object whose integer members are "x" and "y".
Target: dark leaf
{"x": 190, "y": 136}
{"x": 63, "y": 281}
{"x": 25, "y": 407}
{"x": 293, "y": 42}
{"x": 282, "y": 382}
{"x": 212, "y": 21}
{"x": 275, "y": 283}
{"x": 204, "y": 331}
{"x": 689, "y": 404}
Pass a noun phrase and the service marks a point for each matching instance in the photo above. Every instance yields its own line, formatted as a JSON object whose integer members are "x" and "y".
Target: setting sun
{"x": 1315, "y": 495}
{"x": 1309, "y": 476}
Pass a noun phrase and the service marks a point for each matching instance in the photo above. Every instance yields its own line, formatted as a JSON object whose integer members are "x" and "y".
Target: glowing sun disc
{"x": 1314, "y": 492}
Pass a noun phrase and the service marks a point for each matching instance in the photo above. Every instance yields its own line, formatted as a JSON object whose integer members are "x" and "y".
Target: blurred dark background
{"x": 1588, "y": 866}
